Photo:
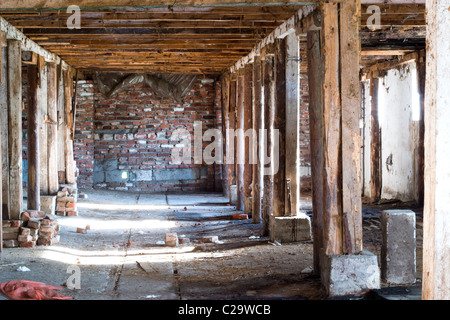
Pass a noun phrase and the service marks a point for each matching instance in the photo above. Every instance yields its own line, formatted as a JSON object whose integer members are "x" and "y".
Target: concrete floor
{"x": 120, "y": 258}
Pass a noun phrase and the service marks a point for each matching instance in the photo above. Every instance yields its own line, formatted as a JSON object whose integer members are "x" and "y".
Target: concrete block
{"x": 101, "y": 165}
{"x": 176, "y": 174}
{"x": 233, "y": 194}
{"x": 290, "y": 229}
{"x": 144, "y": 175}
{"x": 114, "y": 176}
{"x": 99, "y": 177}
{"x": 48, "y": 204}
{"x": 349, "y": 274}
{"x": 398, "y": 251}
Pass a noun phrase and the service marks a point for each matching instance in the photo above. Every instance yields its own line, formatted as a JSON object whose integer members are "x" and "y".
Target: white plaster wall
{"x": 399, "y": 134}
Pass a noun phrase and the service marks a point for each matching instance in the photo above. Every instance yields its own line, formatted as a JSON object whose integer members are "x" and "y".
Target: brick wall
{"x": 123, "y": 142}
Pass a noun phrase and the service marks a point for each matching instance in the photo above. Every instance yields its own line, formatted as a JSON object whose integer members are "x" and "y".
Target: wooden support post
{"x": 293, "y": 123}
{"x": 52, "y": 99}
{"x": 436, "y": 235}
{"x": 342, "y": 216}
{"x": 70, "y": 164}
{"x": 248, "y": 143}
{"x": 61, "y": 127}
{"x": 258, "y": 143}
{"x": 15, "y": 127}
{"x": 33, "y": 183}
{"x": 315, "y": 79}
{"x": 332, "y": 214}
{"x": 240, "y": 143}
{"x": 269, "y": 114}
{"x": 43, "y": 125}
{"x": 349, "y": 20}
{"x": 231, "y": 154}
{"x": 225, "y": 126}
{"x": 421, "y": 75}
{"x": 2, "y": 155}
{"x": 375, "y": 144}
{"x": 4, "y": 129}
{"x": 279, "y": 178}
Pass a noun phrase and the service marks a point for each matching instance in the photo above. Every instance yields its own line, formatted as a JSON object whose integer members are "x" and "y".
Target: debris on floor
{"x": 239, "y": 216}
{"x": 66, "y": 201}
{"x": 23, "y": 269}
{"x": 31, "y": 290}
{"x": 81, "y": 230}
{"x": 171, "y": 239}
{"x": 29, "y": 233}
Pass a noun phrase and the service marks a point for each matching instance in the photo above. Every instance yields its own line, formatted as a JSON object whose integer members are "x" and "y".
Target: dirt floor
{"x": 121, "y": 256}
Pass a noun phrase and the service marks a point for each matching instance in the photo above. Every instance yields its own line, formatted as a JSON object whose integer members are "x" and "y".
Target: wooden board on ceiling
{"x": 192, "y": 39}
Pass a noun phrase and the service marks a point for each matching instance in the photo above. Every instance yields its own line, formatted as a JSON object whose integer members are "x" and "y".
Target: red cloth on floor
{"x": 31, "y": 290}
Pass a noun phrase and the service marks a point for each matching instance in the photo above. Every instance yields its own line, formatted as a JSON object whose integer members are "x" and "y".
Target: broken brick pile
{"x": 35, "y": 228}
{"x": 66, "y": 201}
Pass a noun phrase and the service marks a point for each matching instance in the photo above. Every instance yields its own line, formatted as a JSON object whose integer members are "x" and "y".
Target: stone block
{"x": 171, "y": 239}
{"x": 10, "y": 243}
{"x": 10, "y": 236}
{"x": 398, "y": 250}
{"x": 99, "y": 177}
{"x": 290, "y": 229}
{"x": 233, "y": 194}
{"x": 34, "y": 223}
{"x": 115, "y": 176}
{"x": 144, "y": 175}
{"x": 24, "y": 238}
{"x": 176, "y": 174}
{"x": 343, "y": 275}
{"x": 28, "y": 244}
{"x": 48, "y": 204}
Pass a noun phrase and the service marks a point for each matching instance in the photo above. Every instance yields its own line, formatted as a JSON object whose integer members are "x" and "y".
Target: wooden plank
{"x": 280, "y": 32}
{"x": 248, "y": 140}
{"x": 257, "y": 113}
{"x": 52, "y": 122}
{"x": 421, "y": 76}
{"x": 315, "y": 79}
{"x": 61, "y": 124}
{"x": 2, "y": 155}
{"x": 3, "y": 43}
{"x": 375, "y": 144}
{"x": 27, "y": 44}
{"x": 436, "y": 217}
{"x": 332, "y": 217}
{"x": 349, "y": 17}
{"x": 4, "y": 129}
{"x": 269, "y": 118}
{"x": 33, "y": 130}
{"x": 15, "y": 127}
{"x": 225, "y": 82}
{"x": 69, "y": 163}
{"x": 43, "y": 126}
{"x": 293, "y": 122}
{"x": 231, "y": 140}
{"x": 240, "y": 141}
{"x": 279, "y": 152}
{"x": 90, "y": 4}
